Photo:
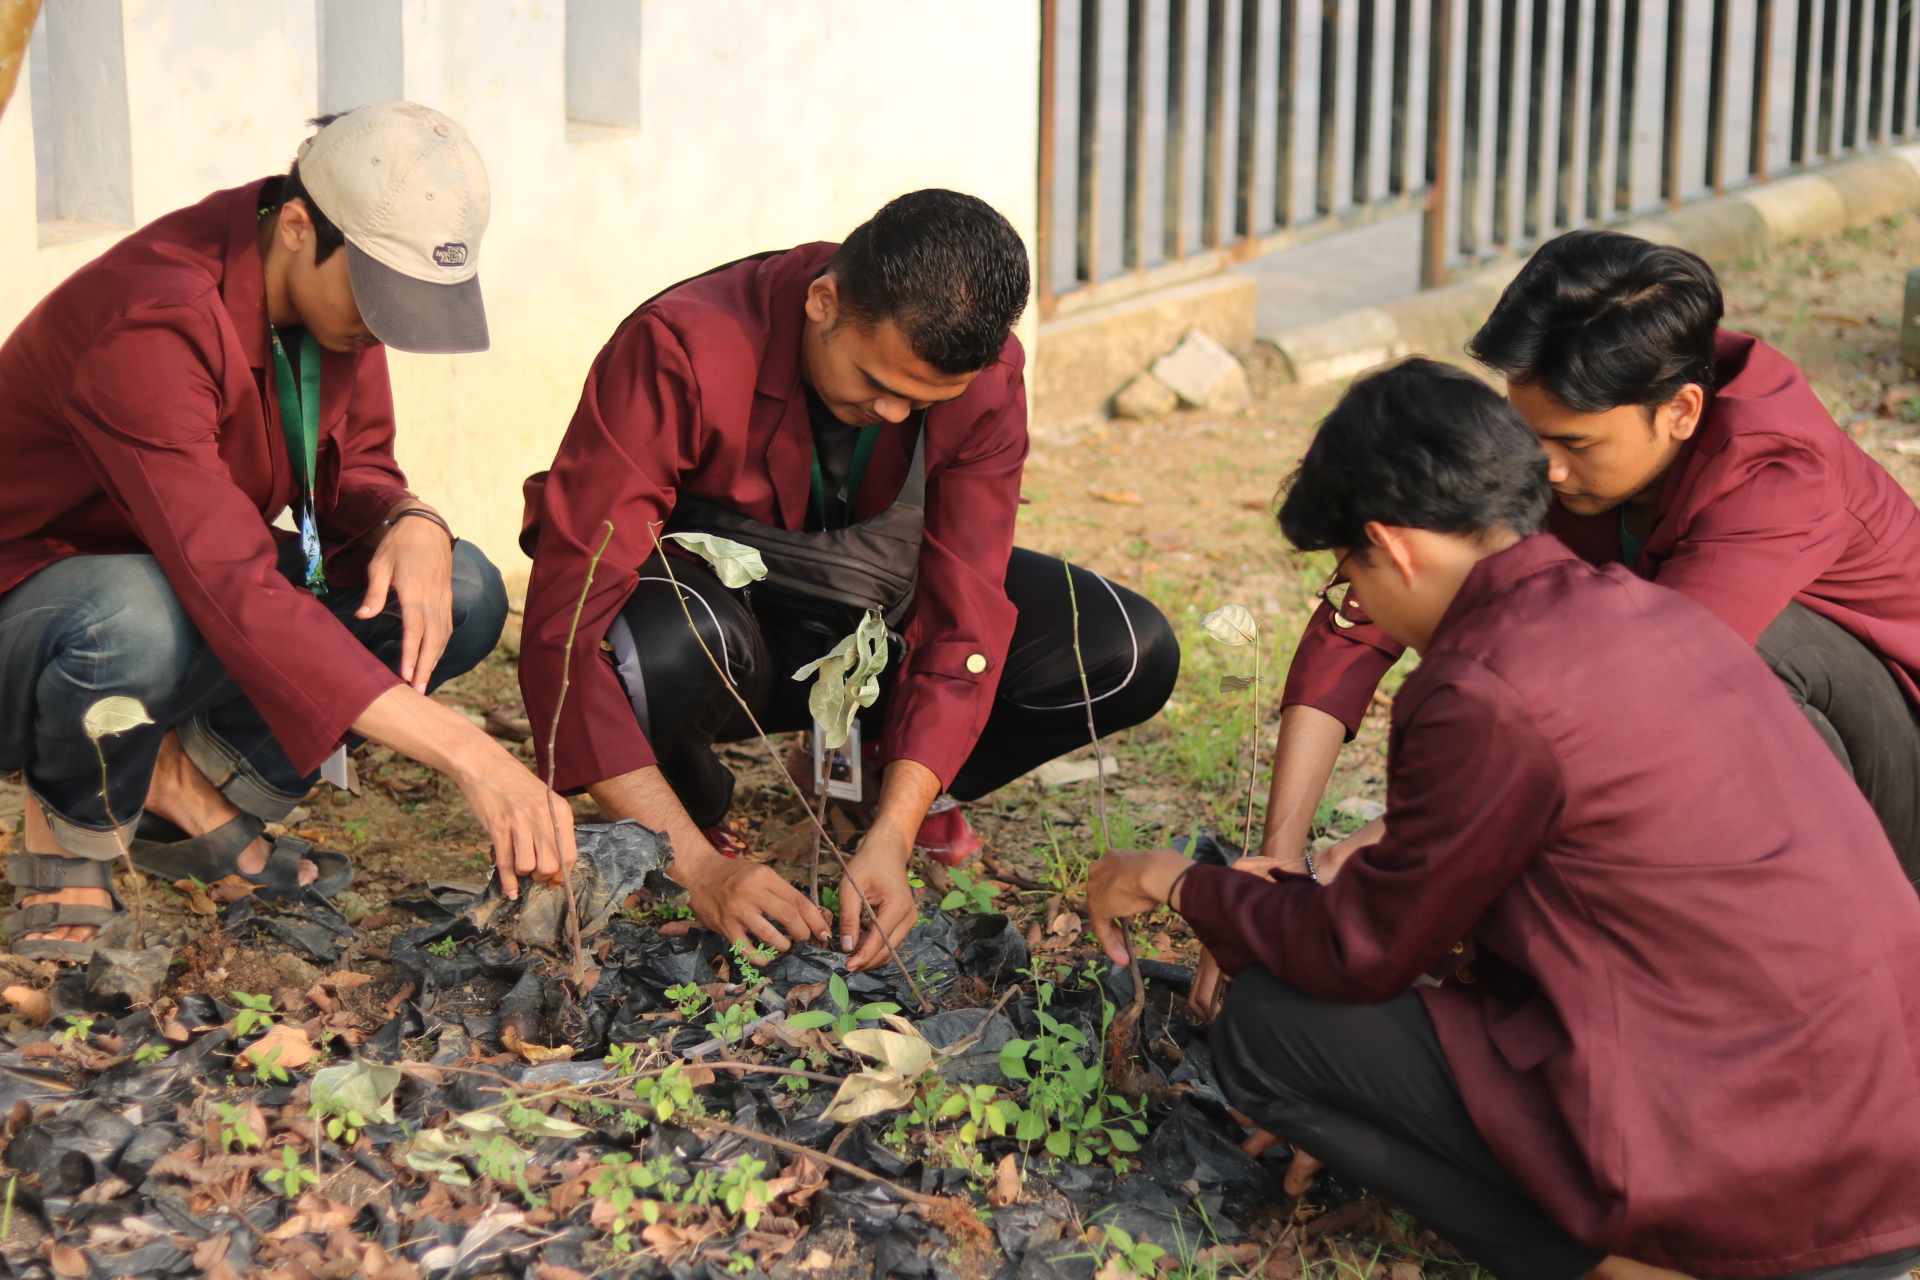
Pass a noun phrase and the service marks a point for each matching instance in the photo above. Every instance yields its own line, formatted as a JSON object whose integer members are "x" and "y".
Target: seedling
{"x": 749, "y": 960}
{"x": 743, "y": 1191}
{"x": 268, "y": 1067}
{"x": 731, "y": 1023}
{"x": 975, "y": 895}
{"x": 1068, "y": 1107}
{"x": 236, "y": 1130}
{"x": 255, "y": 1013}
{"x": 443, "y": 948}
{"x": 687, "y": 999}
{"x": 848, "y": 1018}
{"x": 148, "y": 1054}
{"x": 77, "y": 1030}
{"x": 292, "y": 1177}
{"x": 1140, "y": 1257}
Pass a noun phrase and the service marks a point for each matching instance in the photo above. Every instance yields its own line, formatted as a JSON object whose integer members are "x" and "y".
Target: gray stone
{"x": 1145, "y": 399}
{"x": 294, "y": 971}
{"x": 137, "y": 975}
{"x": 1204, "y": 374}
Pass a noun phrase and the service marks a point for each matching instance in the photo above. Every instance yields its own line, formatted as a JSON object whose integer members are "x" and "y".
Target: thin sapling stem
{"x": 1253, "y": 742}
{"x": 1086, "y": 694}
{"x": 846, "y": 877}
{"x": 553, "y": 742}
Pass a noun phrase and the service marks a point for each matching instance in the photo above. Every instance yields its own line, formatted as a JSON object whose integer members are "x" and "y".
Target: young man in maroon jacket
{"x": 1631, "y": 983}
{"x": 856, "y": 412}
{"x": 159, "y": 411}
{"x": 1701, "y": 460}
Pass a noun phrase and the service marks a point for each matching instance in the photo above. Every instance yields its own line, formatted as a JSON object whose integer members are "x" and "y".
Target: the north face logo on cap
{"x": 451, "y": 254}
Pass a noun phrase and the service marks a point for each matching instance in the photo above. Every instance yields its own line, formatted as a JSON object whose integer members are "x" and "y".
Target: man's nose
{"x": 891, "y": 409}
{"x": 1557, "y": 469}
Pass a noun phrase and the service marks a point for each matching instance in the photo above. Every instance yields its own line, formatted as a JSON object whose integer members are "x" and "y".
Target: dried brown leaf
{"x": 34, "y": 1005}
{"x": 230, "y": 889}
{"x": 285, "y": 1046}
{"x": 1006, "y": 1182}
{"x": 67, "y": 1261}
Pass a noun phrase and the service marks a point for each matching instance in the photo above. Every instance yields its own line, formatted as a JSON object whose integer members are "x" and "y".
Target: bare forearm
{"x": 1309, "y": 745}
{"x": 906, "y": 789}
{"x": 427, "y": 731}
{"x": 646, "y": 796}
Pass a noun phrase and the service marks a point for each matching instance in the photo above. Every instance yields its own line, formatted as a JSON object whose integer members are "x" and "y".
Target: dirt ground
{"x": 1178, "y": 509}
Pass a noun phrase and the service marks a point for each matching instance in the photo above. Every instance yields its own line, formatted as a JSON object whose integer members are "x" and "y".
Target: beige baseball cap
{"x": 406, "y": 187}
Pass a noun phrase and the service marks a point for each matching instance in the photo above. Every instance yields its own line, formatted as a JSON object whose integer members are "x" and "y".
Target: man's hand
{"x": 1328, "y": 864}
{"x": 1122, "y": 885}
{"x": 880, "y": 871}
{"x": 1201, "y": 995}
{"x": 739, "y": 900}
{"x": 415, "y": 562}
{"x": 531, "y": 828}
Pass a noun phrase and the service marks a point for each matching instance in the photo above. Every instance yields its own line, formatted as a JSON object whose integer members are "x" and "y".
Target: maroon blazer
{"x": 1770, "y": 502}
{"x": 699, "y": 392}
{"x": 136, "y": 417}
{"x": 1687, "y": 1012}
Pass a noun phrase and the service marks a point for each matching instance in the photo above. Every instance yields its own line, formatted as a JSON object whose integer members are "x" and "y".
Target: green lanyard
{"x": 862, "y": 454}
{"x": 300, "y": 420}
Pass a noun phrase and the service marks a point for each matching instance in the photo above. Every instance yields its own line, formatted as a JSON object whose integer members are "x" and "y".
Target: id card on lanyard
{"x": 300, "y": 420}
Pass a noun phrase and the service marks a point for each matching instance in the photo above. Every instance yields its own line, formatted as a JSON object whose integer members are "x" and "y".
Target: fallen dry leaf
{"x": 316, "y": 1215}
{"x": 1125, "y": 497}
{"x": 816, "y": 1260}
{"x": 34, "y": 1005}
{"x": 1404, "y": 1270}
{"x": 285, "y": 1046}
{"x": 230, "y": 889}
{"x": 1006, "y": 1182}
{"x": 197, "y": 900}
{"x": 210, "y": 1258}
{"x": 549, "y": 1271}
{"x": 346, "y": 980}
{"x": 1064, "y": 925}
{"x": 68, "y": 1261}
{"x": 535, "y": 1054}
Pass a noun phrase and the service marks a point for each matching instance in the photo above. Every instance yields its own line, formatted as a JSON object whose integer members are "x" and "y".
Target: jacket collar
{"x": 1497, "y": 572}
{"x": 243, "y": 282}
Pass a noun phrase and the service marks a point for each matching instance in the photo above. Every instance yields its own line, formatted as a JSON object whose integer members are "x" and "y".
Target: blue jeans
{"x": 92, "y": 627}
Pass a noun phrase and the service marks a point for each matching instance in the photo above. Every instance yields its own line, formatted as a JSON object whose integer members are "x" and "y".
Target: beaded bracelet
{"x": 425, "y": 513}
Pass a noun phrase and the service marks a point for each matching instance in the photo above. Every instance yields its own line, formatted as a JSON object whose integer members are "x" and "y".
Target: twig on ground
{"x": 846, "y": 878}
{"x": 832, "y": 1162}
{"x": 1093, "y": 733}
{"x": 553, "y": 742}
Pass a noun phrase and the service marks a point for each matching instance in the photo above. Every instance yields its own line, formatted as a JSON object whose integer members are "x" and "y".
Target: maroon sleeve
{"x": 1777, "y": 521}
{"x": 1337, "y": 668}
{"x": 371, "y": 481}
{"x": 938, "y": 706}
{"x": 1473, "y": 792}
{"x": 144, "y": 406}
{"x": 629, "y": 442}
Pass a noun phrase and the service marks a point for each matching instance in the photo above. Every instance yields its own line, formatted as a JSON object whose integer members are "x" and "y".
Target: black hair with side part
{"x": 326, "y": 236}
{"x": 1599, "y": 319}
{"x": 944, "y": 267}
{"x": 1419, "y": 445}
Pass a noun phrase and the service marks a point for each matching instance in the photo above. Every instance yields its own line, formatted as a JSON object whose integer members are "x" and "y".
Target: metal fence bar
{"x": 1286, "y": 57}
{"x": 1536, "y": 118}
{"x": 1363, "y": 102}
{"x": 1133, "y": 216}
{"x": 1829, "y": 55}
{"x": 1247, "y": 132}
{"x": 1502, "y": 234}
{"x": 1629, "y": 84}
{"x": 1597, "y": 109}
{"x": 1213, "y": 169}
{"x": 1802, "y": 82}
{"x": 1850, "y": 99}
{"x": 1569, "y": 104}
{"x": 1326, "y": 157}
{"x": 1402, "y": 87}
{"x": 1049, "y": 117}
{"x": 1717, "y": 53}
{"x": 1670, "y": 136}
{"x": 1469, "y": 210}
{"x": 1900, "y": 125}
{"x": 1877, "y": 76}
{"x": 1761, "y": 115}
{"x": 1086, "y": 220}
{"x": 1174, "y": 201}
{"x": 1433, "y": 222}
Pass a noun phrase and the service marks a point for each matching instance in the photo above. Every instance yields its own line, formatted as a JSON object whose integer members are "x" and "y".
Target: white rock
{"x": 1059, "y": 773}
{"x": 1361, "y": 808}
{"x": 1204, "y": 374}
{"x": 1145, "y": 399}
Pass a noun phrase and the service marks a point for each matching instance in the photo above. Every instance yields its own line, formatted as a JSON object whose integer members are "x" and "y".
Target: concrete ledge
{"x": 1081, "y": 360}
{"x": 1440, "y": 321}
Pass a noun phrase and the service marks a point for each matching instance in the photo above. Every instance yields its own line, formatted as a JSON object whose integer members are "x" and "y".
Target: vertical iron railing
{"x": 1181, "y": 136}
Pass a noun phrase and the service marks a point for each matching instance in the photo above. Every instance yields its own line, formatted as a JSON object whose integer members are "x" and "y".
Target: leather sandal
{"x": 216, "y": 855}
{"x": 36, "y": 873}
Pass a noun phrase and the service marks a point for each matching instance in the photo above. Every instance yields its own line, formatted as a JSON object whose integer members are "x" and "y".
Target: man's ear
{"x": 1685, "y": 410}
{"x": 1395, "y": 545}
{"x": 823, "y": 301}
{"x": 294, "y": 226}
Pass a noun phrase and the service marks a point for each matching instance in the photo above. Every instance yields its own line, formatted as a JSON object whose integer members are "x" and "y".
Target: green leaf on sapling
{"x": 734, "y": 563}
{"x": 114, "y": 715}
{"x": 1232, "y": 624}
{"x": 848, "y": 678}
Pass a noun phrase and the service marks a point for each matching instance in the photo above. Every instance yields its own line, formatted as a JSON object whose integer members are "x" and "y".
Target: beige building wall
{"x": 761, "y": 124}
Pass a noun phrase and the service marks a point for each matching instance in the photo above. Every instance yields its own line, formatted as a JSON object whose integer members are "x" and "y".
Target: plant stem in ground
{"x": 553, "y": 742}
{"x": 139, "y": 881}
{"x": 846, "y": 880}
{"x": 1086, "y": 694}
{"x": 1253, "y": 747}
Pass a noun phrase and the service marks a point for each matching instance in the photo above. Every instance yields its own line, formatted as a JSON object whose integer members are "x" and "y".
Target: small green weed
{"x": 255, "y": 1013}
{"x": 975, "y": 895}
{"x": 848, "y": 1018}
{"x": 292, "y": 1177}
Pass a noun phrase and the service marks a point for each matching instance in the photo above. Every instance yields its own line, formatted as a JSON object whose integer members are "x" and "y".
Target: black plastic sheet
{"x": 990, "y": 947}
{"x": 307, "y": 923}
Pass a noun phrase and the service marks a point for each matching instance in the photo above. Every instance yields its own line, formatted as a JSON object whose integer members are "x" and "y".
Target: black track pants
{"x": 1854, "y": 703}
{"x": 1131, "y": 655}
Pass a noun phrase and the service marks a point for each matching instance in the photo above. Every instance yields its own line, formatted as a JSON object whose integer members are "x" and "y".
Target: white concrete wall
{"x": 764, "y": 123}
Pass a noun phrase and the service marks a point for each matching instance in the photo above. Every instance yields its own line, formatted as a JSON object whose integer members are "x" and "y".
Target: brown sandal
{"x": 36, "y": 873}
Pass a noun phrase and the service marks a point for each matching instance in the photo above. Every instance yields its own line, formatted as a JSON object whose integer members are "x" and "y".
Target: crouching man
{"x": 159, "y": 412}
{"x": 1631, "y": 984}
{"x": 856, "y": 413}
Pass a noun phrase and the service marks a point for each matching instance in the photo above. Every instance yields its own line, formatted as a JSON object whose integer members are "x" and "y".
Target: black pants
{"x": 1131, "y": 656}
{"x": 1366, "y": 1089}
{"x": 1856, "y": 705}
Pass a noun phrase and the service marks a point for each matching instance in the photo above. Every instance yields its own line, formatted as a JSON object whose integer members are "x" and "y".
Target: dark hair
{"x": 326, "y": 236}
{"x": 1420, "y": 445}
{"x": 1600, "y": 319}
{"x": 945, "y": 267}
